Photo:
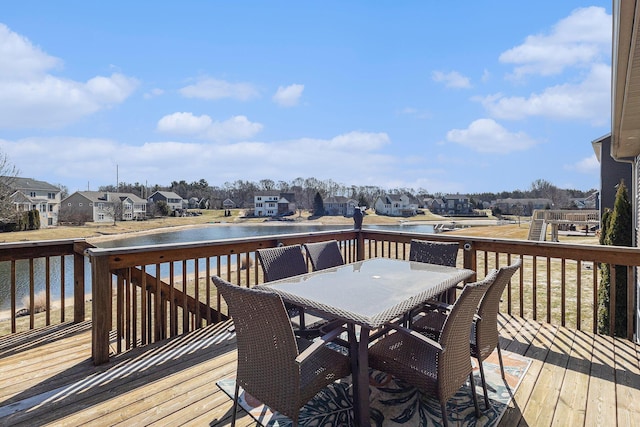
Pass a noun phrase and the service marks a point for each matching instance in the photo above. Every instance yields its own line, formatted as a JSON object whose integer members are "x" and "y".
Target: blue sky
{"x": 469, "y": 96}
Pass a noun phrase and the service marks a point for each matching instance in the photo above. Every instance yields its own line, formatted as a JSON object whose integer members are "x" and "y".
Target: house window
{"x": 69, "y": 204}
{"x": 50, "y": 208}
{"x": 32, "y": 194}
{"x": 100, "y": 216}
{"x": 51, "y": 195}
{"x": 100, "y": 205}
{"x": 79, "y": 204}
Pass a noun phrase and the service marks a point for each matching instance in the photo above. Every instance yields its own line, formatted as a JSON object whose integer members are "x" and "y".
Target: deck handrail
{"x": 47, "y": 250}
{"x": 148, "y": 293}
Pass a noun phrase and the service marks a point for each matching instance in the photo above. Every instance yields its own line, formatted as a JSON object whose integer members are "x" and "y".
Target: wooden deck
{"x": 47, "y": 378}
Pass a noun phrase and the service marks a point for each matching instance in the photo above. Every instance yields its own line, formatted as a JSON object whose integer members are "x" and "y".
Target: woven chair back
{"x": 454, "y": 364}
{"x": 486, "y": 328}
{"x": 281, "y": 262}
{"x": 266, "y": 346}
{"x": 441, "y": 253}
{"x": 324, "y": 255}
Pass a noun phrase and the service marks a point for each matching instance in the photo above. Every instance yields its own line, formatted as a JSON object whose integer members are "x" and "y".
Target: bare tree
{"x": 8, "y": 174}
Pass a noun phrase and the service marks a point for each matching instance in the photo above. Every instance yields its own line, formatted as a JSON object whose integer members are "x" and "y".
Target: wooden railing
{"x": 142, "y": 295}
{"x": 42, "y": 266}
{"x": 165, "y": 290}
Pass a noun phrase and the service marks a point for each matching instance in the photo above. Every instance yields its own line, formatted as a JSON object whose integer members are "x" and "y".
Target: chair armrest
{"x": 319, "y": 343}
{"x": 426, "y": 340}
{"x": 440, "y": 305}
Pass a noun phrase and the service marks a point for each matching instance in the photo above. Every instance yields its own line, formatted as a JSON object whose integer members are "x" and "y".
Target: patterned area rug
{"x": 395, "y": 403}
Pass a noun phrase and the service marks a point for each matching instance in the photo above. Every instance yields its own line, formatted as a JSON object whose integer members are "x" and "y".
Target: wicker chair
{"x": 275, "y": 367}
{"x": 286, "y": 261}
{"x": 281, "y": 262}
{"x": 484, "y": 331}
{"x": 437, "y": 368}
{"x": 441, "y": 253}
{"x": 324, "y": 254}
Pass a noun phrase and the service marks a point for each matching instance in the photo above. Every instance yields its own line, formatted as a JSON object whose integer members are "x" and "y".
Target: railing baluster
{"x": 534, "y": 287}
{"x": 548, "y": 290}
{"x": 509, "y": 288}
{"x": 521, "y": 296}
{"x": 143, "y": 306}
{"x": 563, "y": 300}
{"x": 31, "y": 295}
{"x": 128, "y": 309}
{"x": 13, "y": 296}
{"x": 578, "y": 294}
{"x": 119, "y": 313}
{"x": 185, "y": 310}
{"x": 47, "y": 290}
{"x": 595, "y": 297}
{"x": 62, "y": 292}
{"x": 630, "y": 301}
{"x": 612, "y": 299}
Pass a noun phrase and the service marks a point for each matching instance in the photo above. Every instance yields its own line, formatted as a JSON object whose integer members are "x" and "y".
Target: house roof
{"x": 167, "y": 195}
{"x": 625, "y": 87}
{"x": 27, "y": 184}
{"x": 100, "y": 196}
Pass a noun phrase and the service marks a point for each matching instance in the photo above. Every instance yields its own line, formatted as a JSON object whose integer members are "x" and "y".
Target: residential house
{"x": 270, "y": 203}
{"x": 228, "y": 204}
{"x": 100, "y": 206}
{"x": 29, "y": 194}
{"x": 523, "y": 207}
{"x": 457, "y": 204}
{"x": 396, "y": 205}
{"x": 435, "y": 205}
{"x": 265, "y": 204}
{"x": 339, "y": 205}
{"x": 611, "y": 173}
{"x": 173, "y": 200}
{"x": 625, "y": 114}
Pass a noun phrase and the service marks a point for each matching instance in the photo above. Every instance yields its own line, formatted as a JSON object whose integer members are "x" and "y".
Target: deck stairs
{"x": 538, "y": 230}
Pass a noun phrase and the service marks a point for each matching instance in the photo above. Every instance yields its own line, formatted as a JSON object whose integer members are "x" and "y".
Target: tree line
{"x": 241, "y": 192}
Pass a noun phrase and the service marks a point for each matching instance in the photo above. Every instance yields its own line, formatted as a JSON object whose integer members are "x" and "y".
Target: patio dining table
{"x": 367, "y": 294}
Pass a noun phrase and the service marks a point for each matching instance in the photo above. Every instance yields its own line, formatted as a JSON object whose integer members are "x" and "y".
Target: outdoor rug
{"x": 394, "y": 402}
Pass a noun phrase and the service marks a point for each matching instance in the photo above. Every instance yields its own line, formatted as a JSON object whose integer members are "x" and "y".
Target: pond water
{"x": 214, "y": 232}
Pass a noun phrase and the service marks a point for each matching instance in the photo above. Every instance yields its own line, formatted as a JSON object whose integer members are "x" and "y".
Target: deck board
{"x": 576, "y": 378}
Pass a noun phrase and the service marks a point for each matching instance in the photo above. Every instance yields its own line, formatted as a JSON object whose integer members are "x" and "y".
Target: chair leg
{"x": 500, "y": 359}
{"x": 236, "y": 396}
{"x": 484, "y": 384}
{"x": 445, "y": 414}
{"x": 474, "y": 395}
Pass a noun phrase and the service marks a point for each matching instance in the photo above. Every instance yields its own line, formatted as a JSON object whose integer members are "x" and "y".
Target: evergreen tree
{"x": 616, "y": 231}
{"x": 318, "y": 205}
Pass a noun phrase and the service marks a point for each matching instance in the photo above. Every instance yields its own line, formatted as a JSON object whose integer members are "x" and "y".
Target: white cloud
{"x": 356, "y": 157}
{"x": 154, "y": 93}
{"x": 212, "y": 89}
{"x": 237, "y": 127}
{"x": 485, "y": 135}
{"x": 584, "y": 37}
{"x": 452, "y": 79}
{"x": 20, "y": 59}
{"x": 588, "y": 165}
{"x": 29, "y": 97}
{"x": 587, "y": 100}
{"x": 288, "y": 96}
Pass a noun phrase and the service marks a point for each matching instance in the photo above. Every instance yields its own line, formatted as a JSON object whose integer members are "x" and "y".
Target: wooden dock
{"x": 47, "y": 378}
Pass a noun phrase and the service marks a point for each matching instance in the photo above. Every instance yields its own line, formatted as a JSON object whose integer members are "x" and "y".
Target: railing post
{"x": 101, "y": 309}
{"x": 78, "y": 286}
{"x": 470, "y": 259}
{"x": 359, "y": 246}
